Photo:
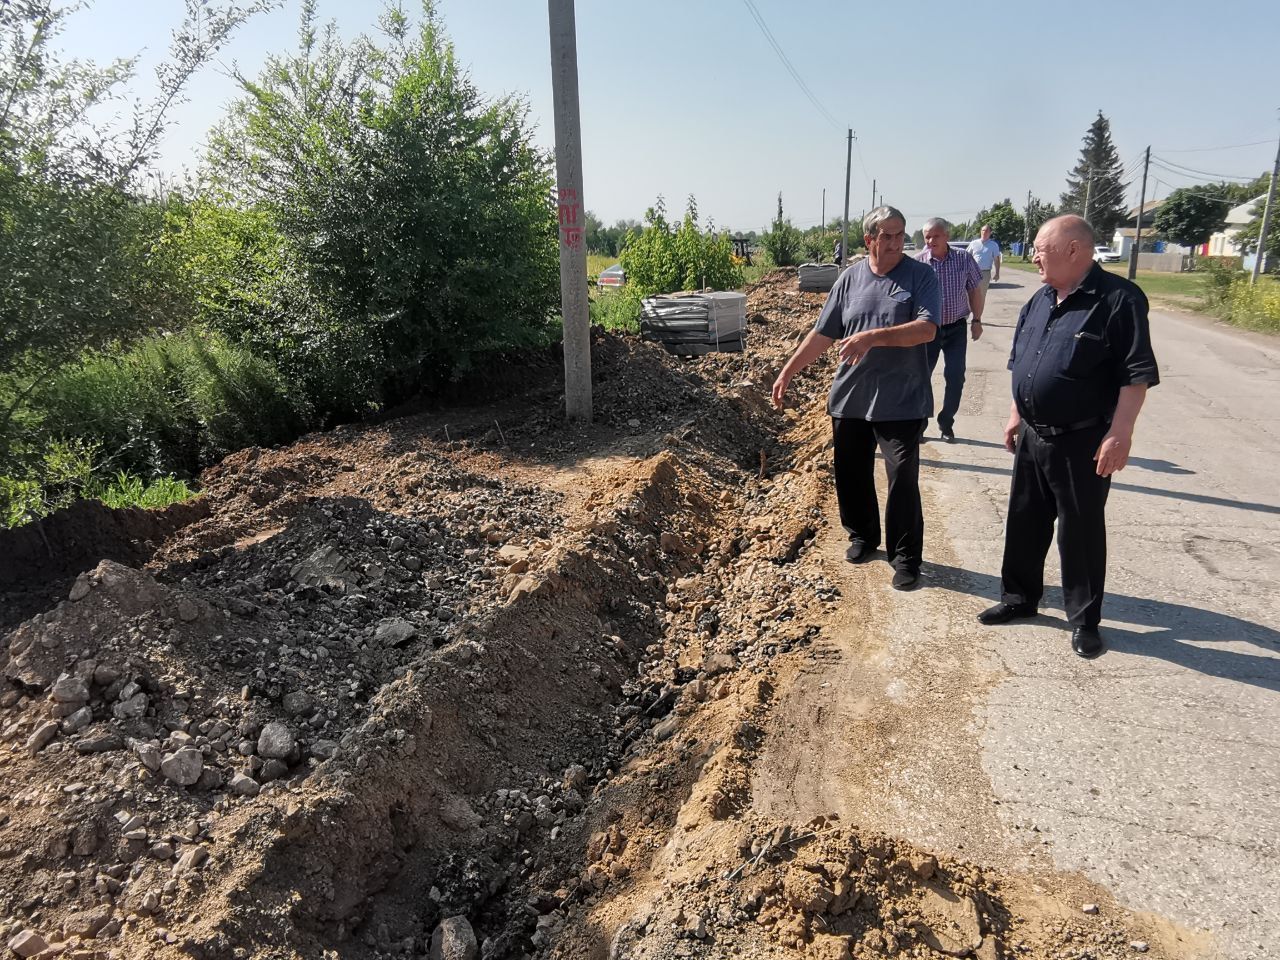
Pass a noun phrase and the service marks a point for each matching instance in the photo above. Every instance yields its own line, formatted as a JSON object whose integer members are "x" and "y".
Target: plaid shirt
{"x": 957, "y": 274}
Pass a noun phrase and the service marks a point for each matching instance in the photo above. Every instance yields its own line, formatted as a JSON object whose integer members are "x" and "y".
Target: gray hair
{"x": 937, "y": 222}
{"x": 871, "y": 222}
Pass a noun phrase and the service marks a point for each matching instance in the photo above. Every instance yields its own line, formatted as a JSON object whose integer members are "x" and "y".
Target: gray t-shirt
{"x": 889, "y": 383}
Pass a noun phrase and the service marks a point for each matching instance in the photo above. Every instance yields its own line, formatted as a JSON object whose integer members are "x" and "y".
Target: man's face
{"x": 1057, "y": 258}
{"x": 986, "y": 233}
{"x": 886, "y": 245}
{"x": 935, "y": 238}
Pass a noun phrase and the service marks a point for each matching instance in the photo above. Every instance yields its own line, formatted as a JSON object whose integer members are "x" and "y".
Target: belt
{"x": 1044, "y": 430}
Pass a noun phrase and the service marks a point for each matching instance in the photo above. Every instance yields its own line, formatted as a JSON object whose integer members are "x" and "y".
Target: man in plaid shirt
{"x": 961, "y": 283}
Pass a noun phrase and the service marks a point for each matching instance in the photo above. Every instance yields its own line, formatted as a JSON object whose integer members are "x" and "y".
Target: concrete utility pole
{"x": 1137, "y": 234}
{"x": 873, "y": 193}
{"x": 844, "y": 233}
{"x": 824, "y": 210}
{"x": 1266, "y": 218}
{"x": 572, "y": 211}
{"x": 1088, "y": 189}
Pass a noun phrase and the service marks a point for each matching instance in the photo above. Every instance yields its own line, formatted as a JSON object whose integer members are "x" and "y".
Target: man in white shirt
{"x": 987, "y": 252}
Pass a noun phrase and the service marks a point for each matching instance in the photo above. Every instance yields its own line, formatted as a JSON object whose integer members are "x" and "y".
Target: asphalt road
{"x": 1154, "y": 770}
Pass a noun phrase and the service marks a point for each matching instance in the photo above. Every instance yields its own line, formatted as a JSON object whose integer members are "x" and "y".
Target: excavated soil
{"x": 471, "y": 683}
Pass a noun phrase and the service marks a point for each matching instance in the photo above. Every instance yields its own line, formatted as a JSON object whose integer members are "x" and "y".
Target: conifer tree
{"x": 1097, "y": 179}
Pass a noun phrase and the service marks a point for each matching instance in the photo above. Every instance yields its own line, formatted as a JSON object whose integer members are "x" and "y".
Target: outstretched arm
{"x": 812, "y": 347}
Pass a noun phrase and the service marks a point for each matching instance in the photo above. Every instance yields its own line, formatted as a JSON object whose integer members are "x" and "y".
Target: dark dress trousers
{"x": 1069, "y": 361}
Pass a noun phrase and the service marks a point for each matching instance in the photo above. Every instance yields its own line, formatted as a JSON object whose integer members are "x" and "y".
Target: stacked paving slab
{"x": 818, "y": 277}
{"x": 696, "y": 323}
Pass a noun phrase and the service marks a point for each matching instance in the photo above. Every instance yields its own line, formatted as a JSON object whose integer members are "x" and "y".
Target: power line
{"x": 1233, "y": 146}
{"x": 768, "y": 35}
{"x": 1204, "y": 173}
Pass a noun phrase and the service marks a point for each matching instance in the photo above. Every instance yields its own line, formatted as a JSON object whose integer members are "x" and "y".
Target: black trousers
{"x": 855, "y": 462}
{"x": 952, "y": 343}
{"x": 1055, "y": 479}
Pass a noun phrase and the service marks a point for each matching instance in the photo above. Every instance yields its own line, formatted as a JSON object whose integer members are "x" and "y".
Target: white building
{"x": 1222, "y": 243}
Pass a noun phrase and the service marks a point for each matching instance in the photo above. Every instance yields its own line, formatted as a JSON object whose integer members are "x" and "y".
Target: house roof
{"x": 1244, "y": 213}
{"x": 1148, "y": 207}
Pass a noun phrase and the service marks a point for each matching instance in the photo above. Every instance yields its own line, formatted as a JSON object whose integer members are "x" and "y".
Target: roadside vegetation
{"x": 335, "y": 255}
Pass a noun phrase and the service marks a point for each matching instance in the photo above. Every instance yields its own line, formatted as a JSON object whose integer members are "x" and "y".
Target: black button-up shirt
{"x": 1070, "y": 359}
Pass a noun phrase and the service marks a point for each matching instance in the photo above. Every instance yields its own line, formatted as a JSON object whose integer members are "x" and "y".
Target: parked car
{"x": 960, "y": 246}
{"x": 1106, "y": 254}
{"x": 612, "y": 277}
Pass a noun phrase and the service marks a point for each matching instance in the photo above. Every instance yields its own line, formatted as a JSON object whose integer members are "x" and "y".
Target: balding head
{"x": 1064, "y": 251}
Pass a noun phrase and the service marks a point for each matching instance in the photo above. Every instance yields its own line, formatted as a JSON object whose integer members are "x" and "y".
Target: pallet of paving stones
{"x": 696, "y": 323}
{"x": 817, "y": 277}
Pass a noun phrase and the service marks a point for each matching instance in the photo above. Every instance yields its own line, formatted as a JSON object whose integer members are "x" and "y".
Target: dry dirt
{"x": 564, "y": 683}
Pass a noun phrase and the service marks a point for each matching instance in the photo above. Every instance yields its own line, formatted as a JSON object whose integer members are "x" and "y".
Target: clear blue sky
{"x": 955, "y": 105}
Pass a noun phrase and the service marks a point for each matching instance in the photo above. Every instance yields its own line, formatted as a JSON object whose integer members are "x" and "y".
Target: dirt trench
{"x": 479, "y": 664}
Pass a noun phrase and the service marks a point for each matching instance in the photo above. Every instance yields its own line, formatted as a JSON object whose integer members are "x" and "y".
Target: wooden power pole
{"x": 571, "y": 211}
{"x": 1137, "y": 233}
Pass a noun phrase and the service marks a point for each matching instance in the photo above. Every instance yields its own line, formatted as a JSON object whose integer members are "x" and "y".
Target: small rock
{"x": 102, "y": 742}
{"x": 183, "y": 766}
{"x": 210, "y": 779}
{"x": 244, "y": 785}
{"x": 187, "y": 610}
{"x": 77, "y": 721}
{"x": 324, "y": 749}
{"x": 191, "y": 859}
{"x": 88, "y": 923}
{"x": 1090, "y": 908}
{"x": 394, "y": 633}
{"x": 149, "y": 754}
{"x": 69, "y": 689}
{"x": 131, "y": 708}
{"x": 28, "y": 943}
{"x": 1139, "y": 946}
{"x": 275, "y": 742}
{"x": 42, "y": 736}
{"x": 105, "y": 675}
{"x": 667, "y": 727}
{"x": 161, "y": 851}
{"x": 454, "y": 940}
{"x": 298, "y": 703}
{"x": 79, "y": 589}
{"x": 273, "y": 770}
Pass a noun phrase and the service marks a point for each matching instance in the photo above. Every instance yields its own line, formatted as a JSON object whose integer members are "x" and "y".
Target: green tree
{"x": 783, "y": 241}
{"x": 1098, "y": 178}
{"x": 416, "y": 232}
{"x": 1005, "y": 222}
{"x": 85, "y": 264}
{"x": 1189, "y": 216}
{"x": 659, "y": 259}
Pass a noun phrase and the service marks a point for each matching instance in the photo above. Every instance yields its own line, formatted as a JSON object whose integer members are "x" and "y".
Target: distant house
{"x": 1223, "y": 243}
{"x": 1123, "y": 239}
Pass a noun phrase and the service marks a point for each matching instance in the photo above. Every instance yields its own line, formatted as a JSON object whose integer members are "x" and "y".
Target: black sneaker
{"x": 905, "y": 578}
{"x": 948, "y": 435}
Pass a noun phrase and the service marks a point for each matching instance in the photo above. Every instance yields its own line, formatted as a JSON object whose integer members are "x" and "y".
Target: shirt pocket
{"x": 1085, "y": 353}
{"x": 899, "y": 308}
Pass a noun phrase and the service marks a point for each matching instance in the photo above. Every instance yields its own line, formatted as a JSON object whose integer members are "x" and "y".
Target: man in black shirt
{"x": 1081, "y": 363}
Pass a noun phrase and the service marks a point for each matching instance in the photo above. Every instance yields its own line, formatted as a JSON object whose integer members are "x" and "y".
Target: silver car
{"x": 612, "y": 278}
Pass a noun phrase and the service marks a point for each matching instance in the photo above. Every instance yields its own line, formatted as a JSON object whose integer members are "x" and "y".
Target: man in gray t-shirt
{"x": 882, "y": 311}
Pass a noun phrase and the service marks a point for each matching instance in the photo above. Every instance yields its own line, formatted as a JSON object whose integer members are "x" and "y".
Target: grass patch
{"x": 1185, "y": 290}
{"x": 617, "y": 310}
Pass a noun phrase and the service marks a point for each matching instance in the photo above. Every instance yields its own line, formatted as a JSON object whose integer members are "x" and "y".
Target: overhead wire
{"x": 1231, "y": 146}
{"x": 777, "y": 48}
{"x": 1178, "y": 167}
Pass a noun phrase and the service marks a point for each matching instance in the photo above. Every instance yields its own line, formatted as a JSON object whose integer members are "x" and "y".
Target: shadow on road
{"x": 1128, "y": 487}
{"x": 1179, "y": 634}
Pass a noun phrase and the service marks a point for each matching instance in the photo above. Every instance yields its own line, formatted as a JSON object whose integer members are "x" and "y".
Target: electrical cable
{"x": 1233, "y": 146}
{"x": 768, "y": 35}
{"x": 1203, "y": 173}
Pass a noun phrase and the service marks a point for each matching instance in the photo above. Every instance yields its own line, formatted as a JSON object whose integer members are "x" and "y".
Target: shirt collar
{"x": 1088, "y": 283}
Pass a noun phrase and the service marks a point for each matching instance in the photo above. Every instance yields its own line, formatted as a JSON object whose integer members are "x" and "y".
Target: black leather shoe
{"x": 948, "y": 435}
{"x": 1087, "y": 642}
{"x": 859, "y": 551}
{"x": 1004, "y": 612}
{"x": 904, "y": 578}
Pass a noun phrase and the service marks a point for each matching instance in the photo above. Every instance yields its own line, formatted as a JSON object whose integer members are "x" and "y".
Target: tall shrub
{"x": 415, "y": 222}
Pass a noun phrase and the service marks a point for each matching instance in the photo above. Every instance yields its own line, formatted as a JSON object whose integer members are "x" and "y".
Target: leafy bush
{"x": 618, "y": 310}
{"x": 783, "y": 241}
{"x": 662, "y": 260}
{"x": 170, "y": 405}
{"x": 415, "y": 231}
{"x": 67, "y": 473}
